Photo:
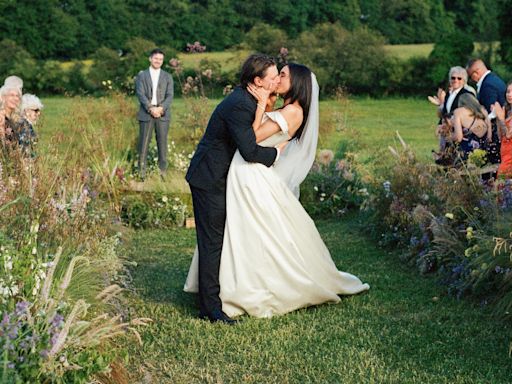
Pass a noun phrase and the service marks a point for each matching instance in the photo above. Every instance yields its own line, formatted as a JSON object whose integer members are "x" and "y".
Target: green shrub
{"x": 352, "y": 60}
{"x": 153, "y": 210}
{"x": 451, "y": 50}
{"x": 107, "y": 65}
{"x": 267, "y": 39}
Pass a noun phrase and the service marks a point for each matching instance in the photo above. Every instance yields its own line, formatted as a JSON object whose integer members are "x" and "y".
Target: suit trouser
{"x": 161, "y": 131}
{"x": 210, "y": 218}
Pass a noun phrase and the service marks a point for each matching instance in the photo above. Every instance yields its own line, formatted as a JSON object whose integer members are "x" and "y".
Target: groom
{"x": 229, "y": 129}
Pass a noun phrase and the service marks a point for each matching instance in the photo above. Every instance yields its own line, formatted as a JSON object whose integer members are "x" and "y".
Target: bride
{"x": 273, "y": 258}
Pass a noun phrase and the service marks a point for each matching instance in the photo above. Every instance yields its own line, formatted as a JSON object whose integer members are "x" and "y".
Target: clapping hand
{"x": 498, "y": 111}
{"x": 439, "y": 98}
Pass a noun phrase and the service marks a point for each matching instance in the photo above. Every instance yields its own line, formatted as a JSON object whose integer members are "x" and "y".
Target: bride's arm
{"x": 293, "y": 117}
{"x": 266, "y": 101}
{"x": 291, "y": 113}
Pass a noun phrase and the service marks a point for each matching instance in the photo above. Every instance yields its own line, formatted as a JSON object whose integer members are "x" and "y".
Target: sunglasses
{"x": 456, "y": 78}
{"x": 36, "y": 110}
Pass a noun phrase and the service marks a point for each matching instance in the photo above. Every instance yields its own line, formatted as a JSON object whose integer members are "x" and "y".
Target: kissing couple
{"x": 258, "y": 251}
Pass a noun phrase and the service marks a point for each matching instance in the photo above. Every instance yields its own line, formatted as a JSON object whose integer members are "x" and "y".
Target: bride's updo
{"x": 300, "y": 90}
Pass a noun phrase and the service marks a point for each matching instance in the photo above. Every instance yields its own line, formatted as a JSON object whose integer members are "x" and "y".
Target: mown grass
{"x": 401, "y": 331}
{"x": 229, "y": 60}
{"x": 373, "y": 121}
{"x": 406, "y": 51}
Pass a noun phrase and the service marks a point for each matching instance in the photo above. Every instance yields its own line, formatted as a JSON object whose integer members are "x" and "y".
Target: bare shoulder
{"x": 292, "y": 113}
{"x": 293, "y": 116}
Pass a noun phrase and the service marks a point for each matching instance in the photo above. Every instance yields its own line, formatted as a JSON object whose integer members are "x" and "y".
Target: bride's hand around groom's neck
{"x": 263, "y": 96}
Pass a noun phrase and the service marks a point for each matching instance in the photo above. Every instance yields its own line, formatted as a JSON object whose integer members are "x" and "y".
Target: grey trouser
{"x": 161, "y": 130}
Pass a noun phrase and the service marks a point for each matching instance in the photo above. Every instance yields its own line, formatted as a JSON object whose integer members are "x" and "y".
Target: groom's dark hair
{"x": 255, "y": 65}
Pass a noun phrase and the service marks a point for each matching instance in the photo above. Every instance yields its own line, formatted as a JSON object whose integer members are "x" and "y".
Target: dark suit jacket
{"x": 229, "y": 128}
{"x": 144, "y": 91}
{"x": 455, "y": 103}
{"x": 492, "y": 89}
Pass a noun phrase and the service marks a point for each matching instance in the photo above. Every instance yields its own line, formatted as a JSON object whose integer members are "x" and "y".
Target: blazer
{"x": 492, "y": 89}
{"x": 144, "y": 92}
{"x": 229, "y": 129}
{"x": 455, "y": 103}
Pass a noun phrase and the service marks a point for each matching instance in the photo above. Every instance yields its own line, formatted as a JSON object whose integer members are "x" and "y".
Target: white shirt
{"x": 451, "y": 98}
{"x": 479, "y": 84}
{"x": 155, "y": 75}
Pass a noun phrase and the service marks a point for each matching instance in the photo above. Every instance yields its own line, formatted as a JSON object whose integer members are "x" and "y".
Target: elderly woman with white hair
{"x": 31, "y": 108}
{"x": 447, "y": 104}
{"x": 18, "y": 131}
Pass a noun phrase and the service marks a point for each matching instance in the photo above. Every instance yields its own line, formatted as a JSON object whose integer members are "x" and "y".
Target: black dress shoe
{"x": 219, "y": 316}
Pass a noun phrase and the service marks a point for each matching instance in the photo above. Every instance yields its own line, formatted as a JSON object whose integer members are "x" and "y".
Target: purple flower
{"x": 414, "y": 241}
{"x": 54, "y": 338}
{"x": 21, "y": 308}
{"x": 57, "y": 320}
{"x": 13, "y": 332}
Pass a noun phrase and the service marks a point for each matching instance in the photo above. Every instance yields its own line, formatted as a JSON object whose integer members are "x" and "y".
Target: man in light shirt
{"x": 154, "y": 89}
{"x": 490, "y": 89}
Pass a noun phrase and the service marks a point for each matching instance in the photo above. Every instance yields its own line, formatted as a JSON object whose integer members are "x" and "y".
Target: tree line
{"x": 74, "y": 29}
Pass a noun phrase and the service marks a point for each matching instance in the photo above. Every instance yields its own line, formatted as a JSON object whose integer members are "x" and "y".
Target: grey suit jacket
{"x": 144, "y": 91}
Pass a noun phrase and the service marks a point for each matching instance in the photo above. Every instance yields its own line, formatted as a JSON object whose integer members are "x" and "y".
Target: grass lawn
{"x": 401, "y": 331}
{"x": 406, "y": 51}
{"x": 373, "y": 121}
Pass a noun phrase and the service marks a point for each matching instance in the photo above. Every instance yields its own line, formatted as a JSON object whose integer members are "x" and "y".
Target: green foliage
{"x": 266, "y": 39}
{"x": 505, "y": 30}
{"x": 153, "y": 210}
{"x": 398, "y": 20}
{"x": 107, "y": 65}
{"x": 15, "y": 60}
{"x": 52, "y": 29}
{"x": 333, "y": 186}
{"x": 451, "y": 50}
{"x": 352, "y": 60}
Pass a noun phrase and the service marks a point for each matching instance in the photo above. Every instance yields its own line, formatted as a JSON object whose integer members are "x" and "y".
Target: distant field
{"x": 406, "y": 51}
{"x": 232, "y": 59}
{"x": 228, "y": 59}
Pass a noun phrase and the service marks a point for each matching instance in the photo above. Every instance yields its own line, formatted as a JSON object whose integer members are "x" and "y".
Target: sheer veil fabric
{"x": 298, "y": 157}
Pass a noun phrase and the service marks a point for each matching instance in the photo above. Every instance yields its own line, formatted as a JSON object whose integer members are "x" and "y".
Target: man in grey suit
{"x": 154, "y": 89}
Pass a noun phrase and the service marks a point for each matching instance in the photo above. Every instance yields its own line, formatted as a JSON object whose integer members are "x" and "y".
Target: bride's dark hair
{"x": 300, "y": 90}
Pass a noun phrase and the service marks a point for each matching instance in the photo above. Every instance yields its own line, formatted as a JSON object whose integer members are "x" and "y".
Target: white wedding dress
{"x": 273, "y": 258}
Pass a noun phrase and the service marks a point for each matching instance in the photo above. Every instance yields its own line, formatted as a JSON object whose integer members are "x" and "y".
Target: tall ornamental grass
{"x": 60, "y": 275}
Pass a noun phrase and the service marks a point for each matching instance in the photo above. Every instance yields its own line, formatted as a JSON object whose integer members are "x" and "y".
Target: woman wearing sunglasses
{"x": 31, "y": 108}
{"x": 447, "y": 104}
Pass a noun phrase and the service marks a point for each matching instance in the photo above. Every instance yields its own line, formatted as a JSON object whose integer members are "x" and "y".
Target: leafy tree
{"x": 107, "y": 65}
{"x": 505, "y": 30}
{"x": 340, "y": 58}
{"x": 266, "y": 39}
{"x": 451, "y": 50}
{"x": 15, "y": 60}
{"x": 41, "y": 27}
